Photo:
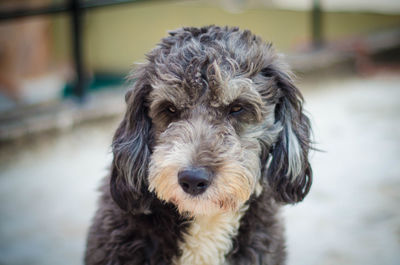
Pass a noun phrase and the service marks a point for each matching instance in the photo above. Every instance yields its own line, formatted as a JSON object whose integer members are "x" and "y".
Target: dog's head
{"x": 211, "y": 115}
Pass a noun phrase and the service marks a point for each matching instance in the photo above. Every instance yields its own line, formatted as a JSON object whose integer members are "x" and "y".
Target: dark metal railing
{"x": 317, "y": 25}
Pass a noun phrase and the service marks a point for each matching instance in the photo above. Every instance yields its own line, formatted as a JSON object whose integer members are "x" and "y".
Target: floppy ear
{"x": 131, "y": 151}
{"x": 289, "y": 172}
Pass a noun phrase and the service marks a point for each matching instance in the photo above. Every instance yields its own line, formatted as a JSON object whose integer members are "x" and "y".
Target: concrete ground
{"x": 352, "y": 215}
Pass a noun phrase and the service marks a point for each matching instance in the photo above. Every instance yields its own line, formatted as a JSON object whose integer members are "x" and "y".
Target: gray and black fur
{"x": 133, "y": 225}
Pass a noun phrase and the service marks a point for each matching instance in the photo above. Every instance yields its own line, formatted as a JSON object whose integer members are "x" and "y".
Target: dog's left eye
{"x": 235, "y": 109}
{"x": 171, "y": 109}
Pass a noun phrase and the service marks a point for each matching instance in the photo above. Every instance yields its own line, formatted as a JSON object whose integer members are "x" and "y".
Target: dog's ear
{"x": 131, "y": 150}
{"x": 289, "y": 172}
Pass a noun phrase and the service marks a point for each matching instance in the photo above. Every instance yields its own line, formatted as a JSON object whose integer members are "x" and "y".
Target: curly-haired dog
{"x": 213, "y": 142}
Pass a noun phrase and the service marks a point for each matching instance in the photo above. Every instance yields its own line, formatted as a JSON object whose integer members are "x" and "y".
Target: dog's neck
{"x": 209, "y": 238}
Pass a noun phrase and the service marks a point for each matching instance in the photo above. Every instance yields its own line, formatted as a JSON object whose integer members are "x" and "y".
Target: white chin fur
{"x": 198, "y": 207}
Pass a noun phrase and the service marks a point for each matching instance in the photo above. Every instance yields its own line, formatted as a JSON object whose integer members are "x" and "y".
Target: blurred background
{"x": 62, "y": 69}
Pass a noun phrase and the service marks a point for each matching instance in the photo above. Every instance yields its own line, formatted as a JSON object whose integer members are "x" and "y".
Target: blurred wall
{"x": 117, "y": 36}
{"x": 25, "y": 48}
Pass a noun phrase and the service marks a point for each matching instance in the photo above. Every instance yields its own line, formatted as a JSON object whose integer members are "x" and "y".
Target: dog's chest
{"x": 209, "y": 239}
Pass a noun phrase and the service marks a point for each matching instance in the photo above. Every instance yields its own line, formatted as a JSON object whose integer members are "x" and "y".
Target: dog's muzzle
{"x": 194, "y": 181}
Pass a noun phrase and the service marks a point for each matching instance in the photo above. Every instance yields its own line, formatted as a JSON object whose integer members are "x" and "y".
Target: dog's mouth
{"x": 190, "y": 205}
{"x": 195, "y": 191}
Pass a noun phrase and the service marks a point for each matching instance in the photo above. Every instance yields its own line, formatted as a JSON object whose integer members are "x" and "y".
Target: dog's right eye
{"x": 235, "y": 109}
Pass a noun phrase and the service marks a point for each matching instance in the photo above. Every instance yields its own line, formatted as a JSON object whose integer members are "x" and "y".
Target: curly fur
{"x": 216, "y": 98}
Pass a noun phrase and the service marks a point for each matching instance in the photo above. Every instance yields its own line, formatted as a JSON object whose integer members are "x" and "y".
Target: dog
{"x": 213, "y": 142}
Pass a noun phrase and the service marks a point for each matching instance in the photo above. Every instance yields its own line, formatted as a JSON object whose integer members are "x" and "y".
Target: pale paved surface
{"x": 352, "y": 216}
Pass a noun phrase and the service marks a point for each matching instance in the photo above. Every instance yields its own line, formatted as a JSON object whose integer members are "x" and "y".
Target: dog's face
{"x": 206, "y": 156}
{"x": 211, "y": 116}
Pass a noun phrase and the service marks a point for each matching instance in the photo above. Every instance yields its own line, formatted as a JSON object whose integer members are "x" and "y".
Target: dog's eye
{"x": 235, "y": 109}
{"x": 171, "y": 109}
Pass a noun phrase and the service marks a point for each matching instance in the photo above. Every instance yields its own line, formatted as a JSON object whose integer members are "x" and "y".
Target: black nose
{"x": 194, "y": 181}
